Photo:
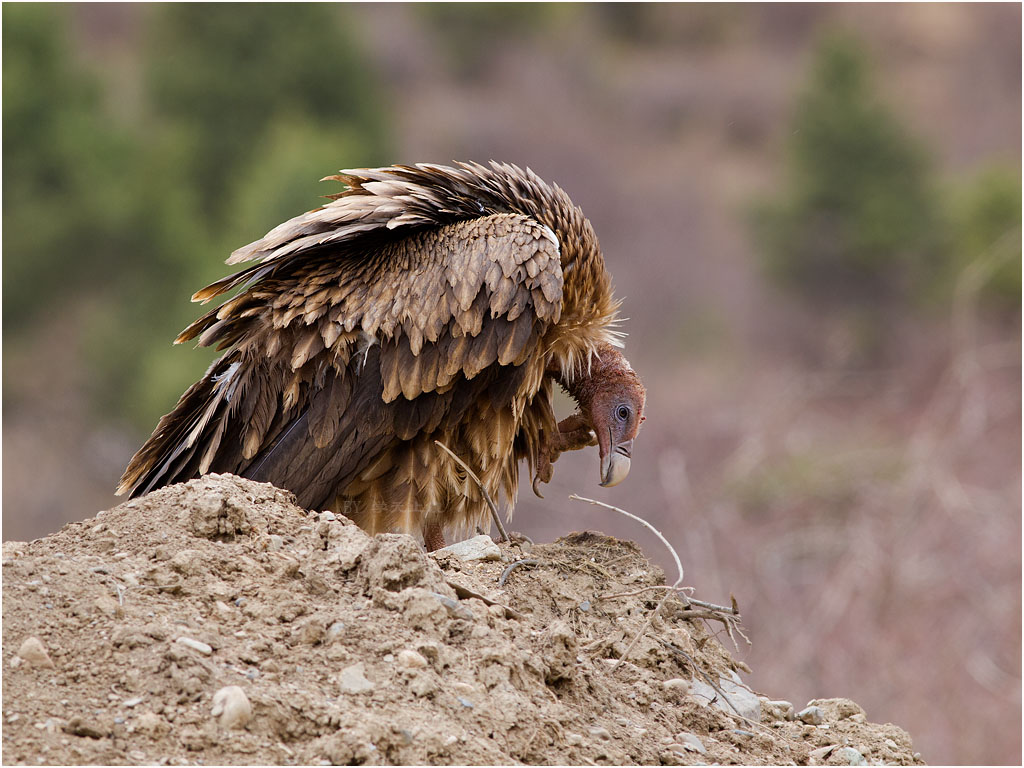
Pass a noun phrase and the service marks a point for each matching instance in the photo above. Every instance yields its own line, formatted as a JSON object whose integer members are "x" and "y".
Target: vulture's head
{"x": 613, "y": 405}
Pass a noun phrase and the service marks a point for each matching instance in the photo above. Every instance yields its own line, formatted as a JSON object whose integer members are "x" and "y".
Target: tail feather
{"x": 182, "y": 438}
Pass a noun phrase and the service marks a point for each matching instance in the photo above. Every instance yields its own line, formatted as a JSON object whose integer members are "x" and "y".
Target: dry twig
{"x": 512, "y": 566}
{"x": 465, "y": 593}
{"x": 679, "y": 567}
{"x": 728, "y": 616}
{"x": 487, "y": 497}
{"x": 640, "y": 591}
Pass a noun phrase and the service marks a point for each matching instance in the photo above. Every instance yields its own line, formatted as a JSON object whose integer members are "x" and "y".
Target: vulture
{"x": 423, "y": 304}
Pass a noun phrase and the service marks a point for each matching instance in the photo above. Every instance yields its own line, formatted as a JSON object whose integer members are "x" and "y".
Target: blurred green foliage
{"x": 115, "y": 221}
{"x": 986, "y": 220}
{"x": 225, "y": 72}
{"x": 64, "y": 200}
{"x": 858, "y": 220}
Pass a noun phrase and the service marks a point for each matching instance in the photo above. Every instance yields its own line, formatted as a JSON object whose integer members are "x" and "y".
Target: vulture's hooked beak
{"x": 615, "y": 461}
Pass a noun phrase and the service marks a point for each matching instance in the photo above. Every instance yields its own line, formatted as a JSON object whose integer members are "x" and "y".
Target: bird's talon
{"x": 536, "y": 489}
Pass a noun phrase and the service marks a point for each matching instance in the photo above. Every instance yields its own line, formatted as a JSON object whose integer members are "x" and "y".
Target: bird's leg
{"x": 433, "y": 536}
{"x": 573, "y": 433}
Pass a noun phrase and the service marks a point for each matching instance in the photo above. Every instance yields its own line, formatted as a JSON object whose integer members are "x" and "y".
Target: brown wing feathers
{"x": 420, "y": 304}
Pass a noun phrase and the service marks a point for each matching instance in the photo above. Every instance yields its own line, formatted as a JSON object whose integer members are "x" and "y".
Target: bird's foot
{"x": 433, "y": 536}
{"x": 573, "y": 434}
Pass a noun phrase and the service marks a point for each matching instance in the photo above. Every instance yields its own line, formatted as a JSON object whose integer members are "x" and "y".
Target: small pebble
{"x": 151, "y": 723}
{"x": 573, "y": 739}
{"x": 600, "y": 733}
{"x": 777, "y": 709}
{"x": 465, "y": 702}
{"x": 811, "y": 716}
{"x": 34, "y": 652}
{"x": 231, "y": 707}
{"x": 676, "y": 684}
{"x": 353, "y": 679}
{"x": 850, "y": 756}
{"x": 455, "y": 609}
{"x": 585, "y": 606}
{"x": 476, "y": 548}
{"x": 891, "y": 744}
{"x": 411, "y": 659}
{"x": 820, "y": 755}
{"x": 81, "y": 727}
{"x": 132, "y": 702}
{"x": 327, "y": 516}
{"x": 690, "y": 742}
{"x": 195, "y": 645}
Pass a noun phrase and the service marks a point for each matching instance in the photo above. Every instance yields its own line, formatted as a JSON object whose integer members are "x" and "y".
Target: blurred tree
{"x": 63, "y": 167}
{"x": 857, "y": 221}
{"x": 695, "y": 25}
{"x": 225, "y": 72}
{"x": 986, "y": 216}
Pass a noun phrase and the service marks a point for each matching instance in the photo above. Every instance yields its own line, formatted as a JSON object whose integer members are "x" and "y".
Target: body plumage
{"x": 423, "y": 303}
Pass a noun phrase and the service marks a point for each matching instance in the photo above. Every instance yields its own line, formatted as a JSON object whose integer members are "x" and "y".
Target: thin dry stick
{"x": 640, "y": 591}
{"x": 679, "y": 567}
{"x": 512, "y": 566}
{"x": 651, "y": 528}
{"x": 120, "y": 590}
{"x": 487, "y": 496}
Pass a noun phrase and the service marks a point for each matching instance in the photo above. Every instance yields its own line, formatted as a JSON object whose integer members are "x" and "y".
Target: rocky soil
{"x": 215, "y": 622}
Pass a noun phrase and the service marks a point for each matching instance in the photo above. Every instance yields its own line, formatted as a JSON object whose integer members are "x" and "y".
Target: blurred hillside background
{"x": 812, "y": 211}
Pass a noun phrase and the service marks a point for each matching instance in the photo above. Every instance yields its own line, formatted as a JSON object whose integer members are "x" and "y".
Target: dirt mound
{"x": 216, "y": 622}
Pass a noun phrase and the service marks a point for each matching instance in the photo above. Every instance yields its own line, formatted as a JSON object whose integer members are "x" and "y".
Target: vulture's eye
{"x": 622, "y": 412}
